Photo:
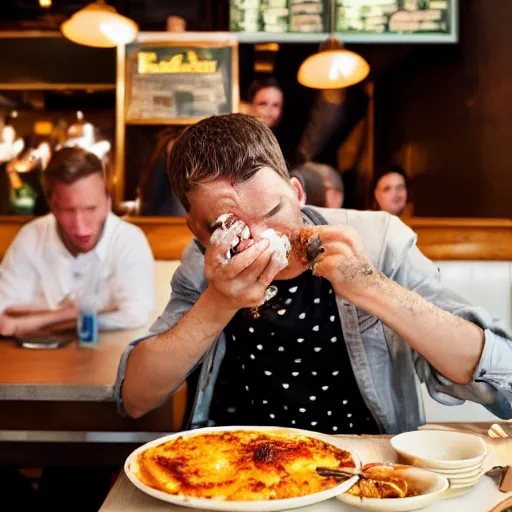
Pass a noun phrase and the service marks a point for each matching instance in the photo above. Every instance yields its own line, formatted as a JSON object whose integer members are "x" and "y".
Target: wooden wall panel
{"x": 464, "y": 239}
{"x": 168, "y": 236}
{"x": 439, "y": 239}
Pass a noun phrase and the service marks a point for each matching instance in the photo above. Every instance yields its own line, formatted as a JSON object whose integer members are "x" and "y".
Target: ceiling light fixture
{"x": 332, "y": 67}
{"x": 99, "y": 25}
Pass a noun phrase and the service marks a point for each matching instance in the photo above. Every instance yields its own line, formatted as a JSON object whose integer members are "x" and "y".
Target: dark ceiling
{"x": 149, "y": 14}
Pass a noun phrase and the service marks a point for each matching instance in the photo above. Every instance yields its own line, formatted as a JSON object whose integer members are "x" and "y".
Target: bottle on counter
{"x": 87, "y": 296}
{"x": 87, "y": 327}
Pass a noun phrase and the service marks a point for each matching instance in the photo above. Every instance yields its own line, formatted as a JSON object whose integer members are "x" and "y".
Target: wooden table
{"x": 125, "y": 497}
{"x": 60, "y": 395}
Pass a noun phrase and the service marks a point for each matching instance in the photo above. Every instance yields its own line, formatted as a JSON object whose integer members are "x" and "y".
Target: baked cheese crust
{"x": 240, "y": 465}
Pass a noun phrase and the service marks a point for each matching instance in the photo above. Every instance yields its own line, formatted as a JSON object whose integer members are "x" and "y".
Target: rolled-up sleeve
{"x": 187, "y": 284}
{"x": 121, "y": 372}
{"x": 492, "y": 380}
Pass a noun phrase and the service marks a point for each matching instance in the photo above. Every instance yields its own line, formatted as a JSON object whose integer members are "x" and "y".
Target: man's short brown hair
{"x": 69, "y": 165}
{"x": 232, "y": 146}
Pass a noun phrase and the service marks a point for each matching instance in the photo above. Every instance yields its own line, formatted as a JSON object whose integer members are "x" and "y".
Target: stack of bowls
{"x": 457, "y": 456}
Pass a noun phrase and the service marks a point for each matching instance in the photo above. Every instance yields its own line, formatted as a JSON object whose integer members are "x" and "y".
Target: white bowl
{"x": 431, "y": 486}
{"x": 437, "y": 449}
{"x": 242, "y": 506}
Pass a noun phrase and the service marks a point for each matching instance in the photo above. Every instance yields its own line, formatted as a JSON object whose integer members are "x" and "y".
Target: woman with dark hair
{"x": 266, "y": 96}
{"x": 389, "y": 190}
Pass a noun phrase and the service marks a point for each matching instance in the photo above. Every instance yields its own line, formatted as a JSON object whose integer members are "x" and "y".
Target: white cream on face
{"x": 230, "y": 232}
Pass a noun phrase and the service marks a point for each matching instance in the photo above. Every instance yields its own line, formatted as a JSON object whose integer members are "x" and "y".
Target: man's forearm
{"x": 451, "y": 344}
{"x": 33, "y": 322}
{"x": 158, "y": 365}
{"x": 24, "y": 310}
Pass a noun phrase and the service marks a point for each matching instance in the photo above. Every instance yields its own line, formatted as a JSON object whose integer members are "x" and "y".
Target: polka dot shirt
{"x": 290, "y": 366}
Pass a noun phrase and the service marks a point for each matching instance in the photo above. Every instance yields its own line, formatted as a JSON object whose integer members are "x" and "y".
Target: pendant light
{"x": 99, "y": 25}
{"x": 332, "y": 67}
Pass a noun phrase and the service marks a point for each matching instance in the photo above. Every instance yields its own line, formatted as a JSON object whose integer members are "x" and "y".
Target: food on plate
{"x": 383, "y": 481}
{"x": 240, "y": 465}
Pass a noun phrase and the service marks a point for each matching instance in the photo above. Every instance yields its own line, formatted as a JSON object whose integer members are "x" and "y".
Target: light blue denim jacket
{"x": 386, "y": 369}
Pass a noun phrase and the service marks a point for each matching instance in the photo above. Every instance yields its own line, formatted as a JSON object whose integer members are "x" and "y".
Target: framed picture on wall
{"x": 180, "y": 82}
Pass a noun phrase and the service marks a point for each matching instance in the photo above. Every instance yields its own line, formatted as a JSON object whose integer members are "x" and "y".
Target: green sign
{"x": 355, "y": 20}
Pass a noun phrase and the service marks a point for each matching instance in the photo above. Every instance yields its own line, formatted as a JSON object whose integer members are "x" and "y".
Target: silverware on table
{"x": 340, "y": 473}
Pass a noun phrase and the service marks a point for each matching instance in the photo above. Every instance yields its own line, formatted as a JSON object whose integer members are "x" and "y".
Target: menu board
{"x": 393, "y": 17}
{"x": 179, "y": 83}
{"x": 278, "y": 16}
{"x": 355, "y": 20}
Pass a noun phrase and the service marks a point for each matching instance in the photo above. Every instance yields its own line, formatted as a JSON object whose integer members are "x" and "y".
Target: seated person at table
{"x": 322, "y": 184}
{"x": 54, "y": 258}
{"x": 331, "y": 343}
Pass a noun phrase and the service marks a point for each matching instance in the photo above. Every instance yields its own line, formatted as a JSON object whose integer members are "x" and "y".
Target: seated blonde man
{"x": 81, "y": 245}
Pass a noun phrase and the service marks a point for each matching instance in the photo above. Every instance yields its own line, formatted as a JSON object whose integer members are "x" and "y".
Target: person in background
{"x": 54, "y": 257}
{"x": 390, "y": 191}
{"x": 322, "y": 184}
{"x": 266, "y": 96}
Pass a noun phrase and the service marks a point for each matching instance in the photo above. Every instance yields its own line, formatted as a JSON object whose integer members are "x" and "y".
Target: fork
{"x": 341, "y": 473}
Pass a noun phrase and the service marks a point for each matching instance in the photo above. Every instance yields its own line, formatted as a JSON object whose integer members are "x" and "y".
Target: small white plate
{"x": 465, "y": 481}
{"x": 460, "y": 473}
{"x": 431, "y": 485}
{"x": 437, "y": 449}
{"x": 454, "y": 484}
{"x": 242, "y": 506}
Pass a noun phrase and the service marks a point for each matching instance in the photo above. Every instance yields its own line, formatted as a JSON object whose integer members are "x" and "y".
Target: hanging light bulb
{"x": 332, "y": 67}
{"x": 99, "y": 25}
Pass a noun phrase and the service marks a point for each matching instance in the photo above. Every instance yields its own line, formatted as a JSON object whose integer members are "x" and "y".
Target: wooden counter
{"x": 35, "y": 382}
{"x": 70, "y": 373}
{"x": 439, "y": 239}
{"x": 51, "y": 399}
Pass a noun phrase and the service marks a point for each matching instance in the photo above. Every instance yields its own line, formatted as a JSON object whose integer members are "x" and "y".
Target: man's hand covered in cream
{"x": 239, "y": 267}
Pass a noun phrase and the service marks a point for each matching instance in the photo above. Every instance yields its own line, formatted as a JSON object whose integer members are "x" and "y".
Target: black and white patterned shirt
{"x": 290, "y": 366}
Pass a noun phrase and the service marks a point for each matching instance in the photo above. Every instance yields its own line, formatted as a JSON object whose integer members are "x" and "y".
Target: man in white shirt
{"x": 55, "y": 258}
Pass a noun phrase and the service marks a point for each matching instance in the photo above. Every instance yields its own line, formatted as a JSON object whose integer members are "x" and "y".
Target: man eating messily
{"x": 300, "y": 316}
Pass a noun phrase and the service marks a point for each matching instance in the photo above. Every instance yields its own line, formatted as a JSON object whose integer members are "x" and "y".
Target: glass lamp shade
{"x": 100, "y": 26}
{"x": 333, "y": 69}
